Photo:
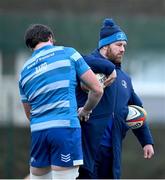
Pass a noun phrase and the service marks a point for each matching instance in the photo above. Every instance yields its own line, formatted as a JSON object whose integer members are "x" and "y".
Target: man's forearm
{"x": 92, "y": 101}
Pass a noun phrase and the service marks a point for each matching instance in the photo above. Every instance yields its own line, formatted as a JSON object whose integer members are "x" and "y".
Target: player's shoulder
{"x": 73, "y": 53}
{"x": 69, "y": 49}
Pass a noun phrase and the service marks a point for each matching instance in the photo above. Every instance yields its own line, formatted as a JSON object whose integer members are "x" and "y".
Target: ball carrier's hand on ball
{"x": 110, "y": 79}
{"x": 105, "y": 80}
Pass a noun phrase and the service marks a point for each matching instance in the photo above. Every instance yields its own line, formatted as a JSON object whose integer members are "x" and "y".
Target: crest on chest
{"x": 124, "y": 83}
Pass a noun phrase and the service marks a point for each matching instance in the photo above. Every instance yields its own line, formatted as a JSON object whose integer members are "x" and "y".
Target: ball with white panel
{"x": 101, "y": 77}
{"x": 136, "y": 116}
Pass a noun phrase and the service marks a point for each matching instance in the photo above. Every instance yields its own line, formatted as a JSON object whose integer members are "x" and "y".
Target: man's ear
{"x": 52, "y": 40}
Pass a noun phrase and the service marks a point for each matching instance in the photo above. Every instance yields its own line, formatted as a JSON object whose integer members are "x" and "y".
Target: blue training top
{"x": 107, "y": 125}
{"x": 47, "y": 82}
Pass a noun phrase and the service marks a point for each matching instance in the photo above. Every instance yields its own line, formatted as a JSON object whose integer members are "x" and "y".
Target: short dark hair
{"x": 37, "y": 33}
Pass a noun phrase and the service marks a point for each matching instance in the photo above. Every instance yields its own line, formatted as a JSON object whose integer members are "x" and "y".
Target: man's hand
{"x": 110, "y": 79}
{"x": 148, "y": 151}
{"x": 83, "y": 114}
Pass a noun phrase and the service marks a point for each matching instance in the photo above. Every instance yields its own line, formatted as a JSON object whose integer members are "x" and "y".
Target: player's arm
{"x": 144, "y": 136}
{"x": 143, "y": 133}
{"x": 27, "y": 109}
{"x": 100, "y": 65}
{"x": 94, "y": 95}
{"x": 87, "y": 76}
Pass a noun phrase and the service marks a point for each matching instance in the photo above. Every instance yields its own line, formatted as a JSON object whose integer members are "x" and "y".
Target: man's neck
{"x": 42, "y": 44}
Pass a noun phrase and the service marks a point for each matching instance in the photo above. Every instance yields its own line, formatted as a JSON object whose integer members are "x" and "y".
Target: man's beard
{"x": 114, "y": 58}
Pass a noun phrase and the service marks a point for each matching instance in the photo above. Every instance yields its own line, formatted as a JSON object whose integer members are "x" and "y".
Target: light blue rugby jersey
{"x": 47, "y": 82}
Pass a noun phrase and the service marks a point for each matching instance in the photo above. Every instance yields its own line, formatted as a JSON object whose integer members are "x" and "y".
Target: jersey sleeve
{"x": 143, "y": 135}
{"x": 99, "y": 65}
{"x": 80, "y": 64}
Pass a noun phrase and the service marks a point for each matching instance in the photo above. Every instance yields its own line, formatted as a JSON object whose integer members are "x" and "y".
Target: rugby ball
{"x": 101, "y": 77}
{"x": 136, "y": 116}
